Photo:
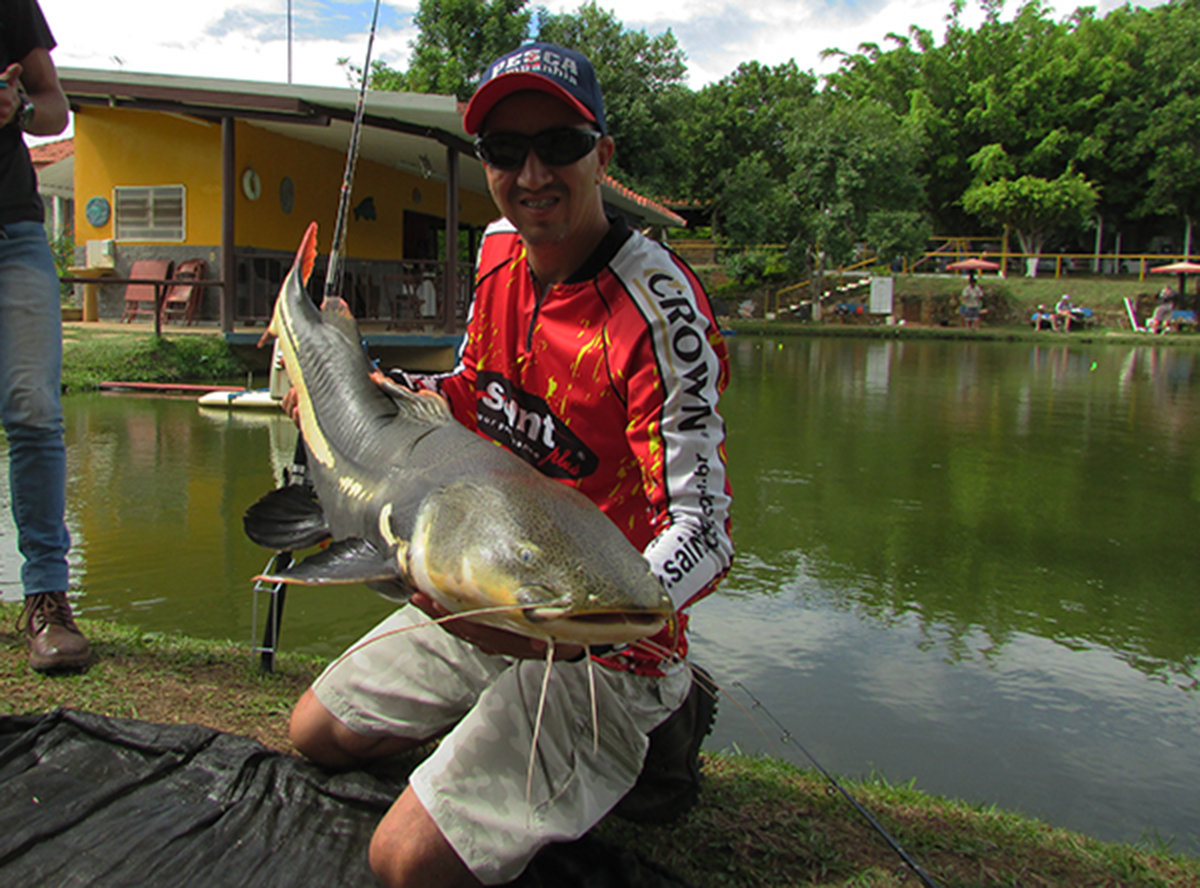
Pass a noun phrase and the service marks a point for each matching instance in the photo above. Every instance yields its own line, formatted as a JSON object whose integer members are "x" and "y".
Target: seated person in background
{"x": 1042, "y": 318}
{"x": 1062, "y": 313}
{"x": 1160, "y": 321}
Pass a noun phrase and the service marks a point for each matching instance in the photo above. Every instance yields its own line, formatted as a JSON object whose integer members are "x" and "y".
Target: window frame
{"x": 159, "y": 226}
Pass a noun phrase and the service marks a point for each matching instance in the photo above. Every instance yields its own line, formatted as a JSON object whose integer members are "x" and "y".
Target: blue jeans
{"x": 31, "y": 404}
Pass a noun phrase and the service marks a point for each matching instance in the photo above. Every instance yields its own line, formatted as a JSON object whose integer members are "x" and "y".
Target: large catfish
{"x": 414, "y": 500}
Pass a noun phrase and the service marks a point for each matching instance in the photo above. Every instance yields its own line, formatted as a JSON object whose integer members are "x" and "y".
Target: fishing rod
{"x": 333, "y": 275}
{"x": 296, "y": 472}
{"x": 789, "y": 737}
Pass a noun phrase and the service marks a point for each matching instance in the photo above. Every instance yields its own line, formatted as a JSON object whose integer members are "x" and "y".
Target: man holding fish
{"x": 592, "y": 353}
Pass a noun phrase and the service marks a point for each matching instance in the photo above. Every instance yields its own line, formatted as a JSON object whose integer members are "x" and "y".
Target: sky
{"x": 247, "y": 39}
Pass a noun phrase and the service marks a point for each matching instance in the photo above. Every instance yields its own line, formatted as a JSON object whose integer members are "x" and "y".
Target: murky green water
{"x": 968, "y": 564}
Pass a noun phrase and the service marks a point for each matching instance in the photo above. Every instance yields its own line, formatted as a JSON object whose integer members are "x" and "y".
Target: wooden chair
{"x": 183, "y": 298}
{"x": 143, "y": 299}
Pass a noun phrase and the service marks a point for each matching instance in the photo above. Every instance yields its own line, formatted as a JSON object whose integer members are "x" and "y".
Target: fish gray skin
{"x": 413, "y": 500}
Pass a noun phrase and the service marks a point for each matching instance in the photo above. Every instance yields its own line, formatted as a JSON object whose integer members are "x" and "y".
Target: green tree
{"x": 746, "y": 113}
{"x": 642, "y": 81}
{"x": 852, "y": 161}
{"x": 457, "y": 40}
{"x": 1031, "y": 206}
{"x": 1167, "y": 143}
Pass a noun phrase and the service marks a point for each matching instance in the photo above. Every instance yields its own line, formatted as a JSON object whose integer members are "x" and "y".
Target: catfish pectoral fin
{"x": 287, "y": 518}
{"x": 396, "y": 589}
{"x": 350, "y": 560}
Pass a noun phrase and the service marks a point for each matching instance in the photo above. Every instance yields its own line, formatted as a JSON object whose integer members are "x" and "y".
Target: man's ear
{"x": 605, "y": 149}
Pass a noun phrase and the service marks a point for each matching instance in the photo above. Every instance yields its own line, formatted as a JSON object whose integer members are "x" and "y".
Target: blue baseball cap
{"x": 544, "y": 67}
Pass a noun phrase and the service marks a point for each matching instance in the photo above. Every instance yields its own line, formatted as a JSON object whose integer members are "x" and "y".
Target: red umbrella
{"x": 1183, "y": 269}
{"x": 974, "y": 265}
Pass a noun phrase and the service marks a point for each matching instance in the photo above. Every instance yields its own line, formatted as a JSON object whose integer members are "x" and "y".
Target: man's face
{"x": 547, "y": 204}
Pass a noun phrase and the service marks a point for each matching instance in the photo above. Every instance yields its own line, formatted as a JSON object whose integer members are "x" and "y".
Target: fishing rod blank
{"x": 789, "y": 737}
{"x": 333, "y": 274}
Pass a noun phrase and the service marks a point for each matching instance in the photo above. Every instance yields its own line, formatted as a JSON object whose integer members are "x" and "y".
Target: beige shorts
{"x": 422, "y": 682}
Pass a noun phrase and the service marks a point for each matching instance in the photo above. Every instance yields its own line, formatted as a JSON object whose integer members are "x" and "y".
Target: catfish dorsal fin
{"x": 425, "y": 407}
{"x": 307, "y": 254}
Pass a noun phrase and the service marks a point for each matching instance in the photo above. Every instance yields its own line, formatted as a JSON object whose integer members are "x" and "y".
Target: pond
{"x": 969, "y": 565}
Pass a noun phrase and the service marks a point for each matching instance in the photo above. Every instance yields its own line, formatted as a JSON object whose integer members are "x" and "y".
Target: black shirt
{"x": 23, "y": 29}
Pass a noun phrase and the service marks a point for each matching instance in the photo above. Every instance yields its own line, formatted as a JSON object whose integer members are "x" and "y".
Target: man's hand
{"x": 290, "y": 405}
{"x": 10, "y": 98}
{"x": 491, "y": 640}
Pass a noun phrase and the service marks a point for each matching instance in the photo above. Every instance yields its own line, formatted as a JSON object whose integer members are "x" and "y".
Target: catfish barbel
{"x": 413, "y": 500}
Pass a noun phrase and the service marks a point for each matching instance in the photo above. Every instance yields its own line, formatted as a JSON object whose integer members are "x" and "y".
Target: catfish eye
{"x": 526, "y": 555}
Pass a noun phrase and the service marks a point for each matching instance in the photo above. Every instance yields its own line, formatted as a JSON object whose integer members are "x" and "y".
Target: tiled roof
{"x": 51, "y": 152}
{"x": 632, "y": 195}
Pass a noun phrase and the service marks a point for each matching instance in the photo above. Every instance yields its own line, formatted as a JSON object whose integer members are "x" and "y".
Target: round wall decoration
{"x": 251, "y": 184}
{"x": 97, "y": 211}
{"x": 287, "y": 194}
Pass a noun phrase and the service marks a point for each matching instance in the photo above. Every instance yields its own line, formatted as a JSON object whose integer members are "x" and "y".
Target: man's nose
{"x": 535, "y": 173}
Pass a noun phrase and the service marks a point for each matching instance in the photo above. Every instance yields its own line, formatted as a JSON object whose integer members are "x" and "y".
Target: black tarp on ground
{"x": 95, "y": 801}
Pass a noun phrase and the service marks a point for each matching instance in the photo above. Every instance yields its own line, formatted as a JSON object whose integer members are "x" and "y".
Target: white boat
{"x": 247, "y": 398}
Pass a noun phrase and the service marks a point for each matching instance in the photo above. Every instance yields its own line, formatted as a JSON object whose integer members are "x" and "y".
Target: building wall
{"x": 122, "y": 147}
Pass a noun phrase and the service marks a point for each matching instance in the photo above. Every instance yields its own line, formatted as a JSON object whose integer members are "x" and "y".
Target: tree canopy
{"x": 1056, "y": 127}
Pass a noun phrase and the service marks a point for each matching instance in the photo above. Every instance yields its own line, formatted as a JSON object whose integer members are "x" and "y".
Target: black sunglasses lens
{"x": 505, "y": 151}
{"x": 556, "y": 147}
{"x": 563, "y": 146}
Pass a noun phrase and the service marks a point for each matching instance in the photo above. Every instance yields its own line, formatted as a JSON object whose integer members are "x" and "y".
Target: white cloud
{"x": 245, "y": 39}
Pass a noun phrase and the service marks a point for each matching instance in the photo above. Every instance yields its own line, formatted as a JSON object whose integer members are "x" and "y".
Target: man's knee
{"x": 324, "y": 739}
{"x": 409, "y": 850}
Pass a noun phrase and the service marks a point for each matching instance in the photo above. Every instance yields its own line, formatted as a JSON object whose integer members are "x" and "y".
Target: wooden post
{"x": 228, "y": 203}
{"x": 450, "y": 309}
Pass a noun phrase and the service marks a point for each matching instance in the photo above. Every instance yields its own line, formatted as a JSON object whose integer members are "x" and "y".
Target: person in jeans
{"x": 32, "y": 101}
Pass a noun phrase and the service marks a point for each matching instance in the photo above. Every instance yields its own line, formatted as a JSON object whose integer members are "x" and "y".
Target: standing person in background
{"x": 971, "y": 302}
{"x": 32, "y": 101}
{"x": 592, "y": 353}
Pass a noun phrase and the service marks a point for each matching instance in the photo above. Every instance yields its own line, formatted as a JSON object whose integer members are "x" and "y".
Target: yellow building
{"x": 232, "y": 172}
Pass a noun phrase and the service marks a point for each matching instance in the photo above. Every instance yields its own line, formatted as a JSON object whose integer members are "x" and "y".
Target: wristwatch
{"x": 24, "y": 115}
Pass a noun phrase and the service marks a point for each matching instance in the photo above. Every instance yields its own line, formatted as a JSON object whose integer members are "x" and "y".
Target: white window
{"x": 154, "y": 213}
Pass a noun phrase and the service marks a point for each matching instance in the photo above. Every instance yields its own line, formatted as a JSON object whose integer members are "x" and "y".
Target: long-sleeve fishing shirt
{"x": 609, "y": 382}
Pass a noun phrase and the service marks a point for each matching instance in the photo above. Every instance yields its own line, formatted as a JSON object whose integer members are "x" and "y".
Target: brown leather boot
{"x": 669, "y": 784}
{"x": 55, "y": 642}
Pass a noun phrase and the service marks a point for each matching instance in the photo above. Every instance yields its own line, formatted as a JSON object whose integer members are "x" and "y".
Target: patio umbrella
{"x": 979, "y": 265}
{"x": 1183, "y": 269}
{"x": 972, "y": 266}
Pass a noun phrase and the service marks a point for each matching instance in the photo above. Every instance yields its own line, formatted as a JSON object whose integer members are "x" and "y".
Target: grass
{"x": 94, "y": 356}
{"x": 761, "y": 822}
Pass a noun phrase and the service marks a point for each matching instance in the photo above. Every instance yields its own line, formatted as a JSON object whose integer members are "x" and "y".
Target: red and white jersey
{"x": 610, "y": 382}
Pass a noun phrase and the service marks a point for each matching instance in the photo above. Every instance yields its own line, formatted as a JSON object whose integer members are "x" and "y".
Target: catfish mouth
{"x": 633, "y": 618}
{"x": 594, "y": 618}
{"x": 596, "y": 627}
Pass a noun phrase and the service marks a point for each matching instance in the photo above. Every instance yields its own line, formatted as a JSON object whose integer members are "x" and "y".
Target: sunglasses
{"x": 554, "y": 147}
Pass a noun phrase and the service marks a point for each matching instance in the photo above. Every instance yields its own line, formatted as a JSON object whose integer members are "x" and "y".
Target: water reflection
{"x": 977, "y": 492}
{"x": 964, "y": 563}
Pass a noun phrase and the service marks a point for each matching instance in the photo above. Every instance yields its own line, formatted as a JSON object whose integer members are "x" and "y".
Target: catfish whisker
{"x": 591, "y": 671}
{"x": 449, "y": 618}
{"x": 537, "y": 729}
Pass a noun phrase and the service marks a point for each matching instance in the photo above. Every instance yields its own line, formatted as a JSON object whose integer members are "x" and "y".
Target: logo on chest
{"x": 525, "y": 424}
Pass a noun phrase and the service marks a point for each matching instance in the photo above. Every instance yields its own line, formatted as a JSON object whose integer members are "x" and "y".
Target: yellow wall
{"x": 124, "y": 147}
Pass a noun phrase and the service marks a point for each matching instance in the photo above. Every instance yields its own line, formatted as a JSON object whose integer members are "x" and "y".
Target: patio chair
{"x": 183, "y": 298}
{"x": 143, "y": 299}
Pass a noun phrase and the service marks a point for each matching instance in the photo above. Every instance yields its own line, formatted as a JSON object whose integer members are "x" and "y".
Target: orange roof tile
{"x": 51, "y": 152}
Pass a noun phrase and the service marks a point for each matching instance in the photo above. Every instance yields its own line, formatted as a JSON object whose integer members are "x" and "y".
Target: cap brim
{"x": 491, "y": 93}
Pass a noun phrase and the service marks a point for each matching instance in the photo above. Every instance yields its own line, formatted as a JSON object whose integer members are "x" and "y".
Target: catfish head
{"x": 542, "y": 547}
